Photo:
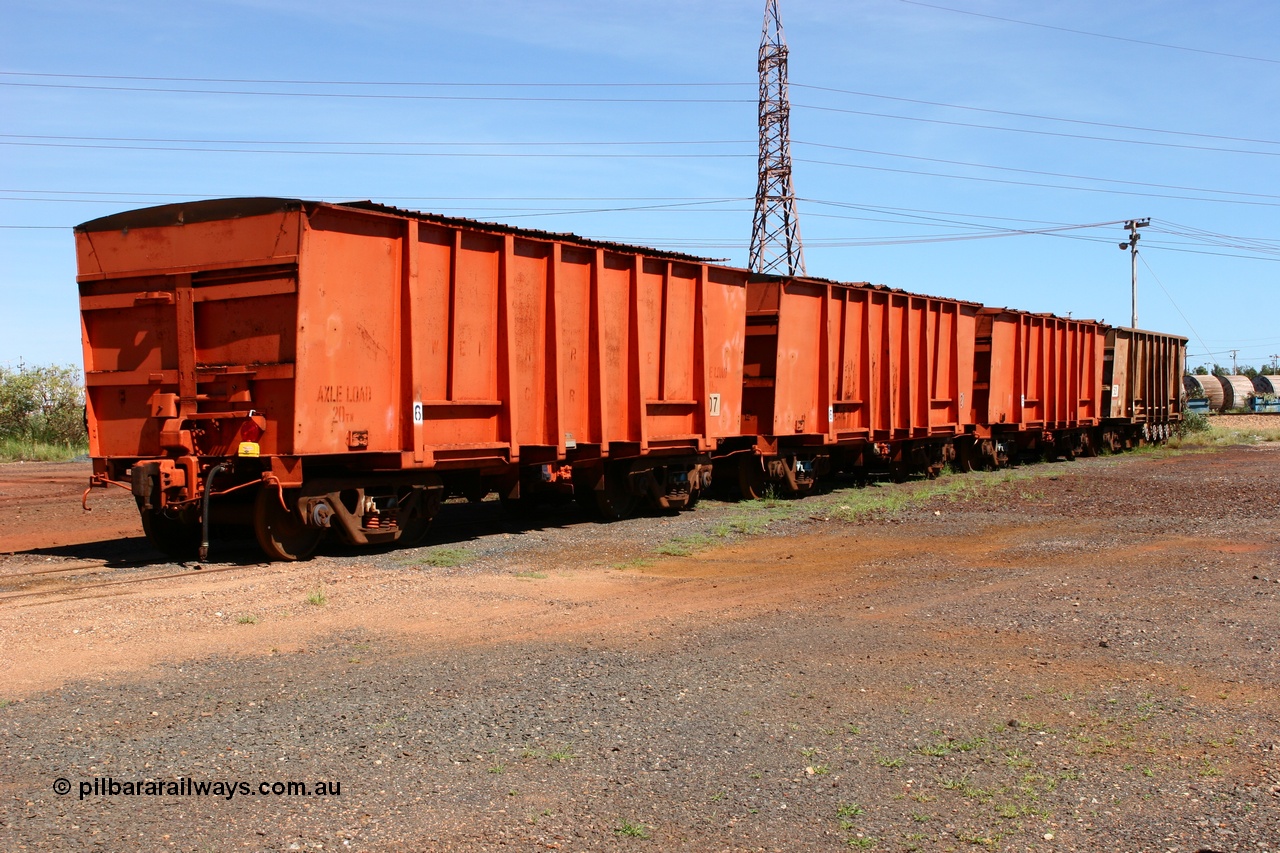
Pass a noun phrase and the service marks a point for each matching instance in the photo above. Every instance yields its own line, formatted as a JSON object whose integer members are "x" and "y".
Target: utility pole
{"x": 1275, "y": 362}
{"x": 1235, "y": 371}
{"x": 1132, "y": 245}
{"x": 775, "y": 229}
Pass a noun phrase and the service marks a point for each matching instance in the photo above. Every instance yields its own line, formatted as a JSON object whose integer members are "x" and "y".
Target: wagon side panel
{"x": 348, "y": 350}
{"x": 801, "y": 347}
{"x": 719, "y": 333}
{"x": 851, "y": 380}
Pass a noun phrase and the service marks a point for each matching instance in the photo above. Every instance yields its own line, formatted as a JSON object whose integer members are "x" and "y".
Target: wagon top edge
{"x": 858, "y": 285}
{"x": 1135, "y": 331}
{"x": 1044, "y": 315}
{"x": 212, "y": 210}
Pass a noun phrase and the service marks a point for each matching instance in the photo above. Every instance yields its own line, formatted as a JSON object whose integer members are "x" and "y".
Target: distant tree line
{"x": 1251, "y": 372}
{"x": 42, "y": 405}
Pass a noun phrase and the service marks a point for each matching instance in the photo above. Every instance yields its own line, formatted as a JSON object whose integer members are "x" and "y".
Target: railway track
{"x": 31, "y": 597}
{"x": 459, "y": 521}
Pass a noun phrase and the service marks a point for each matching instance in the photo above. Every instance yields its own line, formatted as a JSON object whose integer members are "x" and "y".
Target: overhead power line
{"x": 422, "y": 83}
{"x": 401, "y": 143}
{"x": 602, "y": 100}
{"x": 386, "y": 198}
{"x": 152, "y": 143}
{"x": 1128, "y": 39}
{"x": 1172, "y": 301}
{"x": 626, "y": 85}
{"x": 442, "y": 149}
{"x": 1009, "y": 182}
{"x": 1062, "y": 232}
{"x": 1042, "y": 173}
{"x": 598, "y": 100}
{"x": 313, "y": 153}
{"x": 374, "y": 95}
{"x": 1033, "y": 132}
{"x": 1036, "y": 116}
{"x": 953, "y": 238}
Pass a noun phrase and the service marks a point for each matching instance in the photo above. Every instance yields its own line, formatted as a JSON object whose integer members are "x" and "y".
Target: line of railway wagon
{"x": 307, "y": 368}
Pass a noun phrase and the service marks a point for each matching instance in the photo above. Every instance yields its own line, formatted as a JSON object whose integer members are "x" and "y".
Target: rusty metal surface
{"x": 210, "y": 210}
{"x": 190, "y": 212}
{"x": 436, "y": 341}
{"x": 360, "y": 331}
{"x": 531, "y": 233}
{"x": 1142, "y": 380}
{"x": 1040, "y": 371}
{"x": 862, "y": 285}
{"x": 833, "y": 362}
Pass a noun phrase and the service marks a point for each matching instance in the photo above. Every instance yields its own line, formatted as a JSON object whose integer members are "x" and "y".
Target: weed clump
{"x": 1192, "y": 423}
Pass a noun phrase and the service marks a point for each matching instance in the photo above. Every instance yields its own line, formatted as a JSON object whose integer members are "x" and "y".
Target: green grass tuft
{"x": 684, "y": 546}
{"x": 446, "y": 558}
{"x": 21, "y": 450}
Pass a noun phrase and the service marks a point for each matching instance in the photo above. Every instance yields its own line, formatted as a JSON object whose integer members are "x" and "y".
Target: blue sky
{"x": 916, "y": 129}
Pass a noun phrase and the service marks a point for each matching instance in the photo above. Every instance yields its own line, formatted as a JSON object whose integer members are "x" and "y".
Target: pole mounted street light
{"x": 1132, "y": 245}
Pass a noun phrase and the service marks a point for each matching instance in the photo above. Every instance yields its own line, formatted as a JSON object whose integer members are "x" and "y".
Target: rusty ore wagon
{"x": 304, "y": 367}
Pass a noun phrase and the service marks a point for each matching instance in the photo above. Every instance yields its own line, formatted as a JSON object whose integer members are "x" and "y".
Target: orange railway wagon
{"x": 848, "y": 377}
{"x": 1141, "y": 386}
{"x": 305, "y": 367}
{"x": 1038, "y": 387}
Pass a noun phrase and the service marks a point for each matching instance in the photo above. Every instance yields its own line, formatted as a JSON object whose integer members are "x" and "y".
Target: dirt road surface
{"x": 1069, "y": 657}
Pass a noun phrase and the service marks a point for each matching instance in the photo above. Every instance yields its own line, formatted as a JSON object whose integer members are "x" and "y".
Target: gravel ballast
{"x": 1077, "y": 657}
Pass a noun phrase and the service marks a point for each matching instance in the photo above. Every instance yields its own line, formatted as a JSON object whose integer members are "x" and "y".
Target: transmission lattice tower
{"x": 775, "y": 231}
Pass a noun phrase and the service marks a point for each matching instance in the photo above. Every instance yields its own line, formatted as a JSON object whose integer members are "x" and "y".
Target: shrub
{"x": 42, "y": 405}
{"x": 1193, "y": 422}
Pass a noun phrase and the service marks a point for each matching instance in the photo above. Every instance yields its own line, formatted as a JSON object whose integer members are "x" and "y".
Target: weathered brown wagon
{"x": 1142, "y": 393}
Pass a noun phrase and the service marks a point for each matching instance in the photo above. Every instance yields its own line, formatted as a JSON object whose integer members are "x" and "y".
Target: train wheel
{"x": 533, "y": 495}
{"x": 584, "y": 479}
{"x": 615, "y": 501}
{"x": 281, "y": 535}
{"x": 751, "y": 482}
{"x": 1001, "y": 456}
{"x": 176, "y": 536}
{"x": 1110, "y": 442}
{"x": 724, "y": 480}
{"x": 416, "y": 512}
{"x": 518, "y": 507}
